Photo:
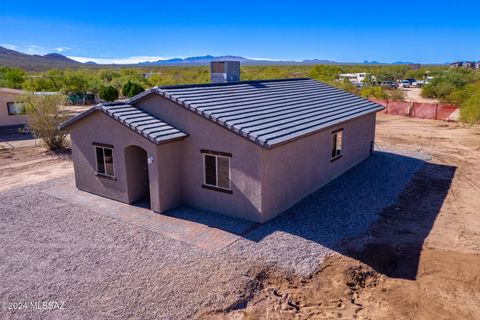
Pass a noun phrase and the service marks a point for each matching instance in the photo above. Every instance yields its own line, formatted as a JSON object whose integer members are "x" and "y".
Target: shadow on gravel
{"x": 379, "y": 212}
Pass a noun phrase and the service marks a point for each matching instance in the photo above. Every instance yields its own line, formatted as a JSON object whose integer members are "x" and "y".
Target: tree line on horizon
{"x": 449, "y": 85}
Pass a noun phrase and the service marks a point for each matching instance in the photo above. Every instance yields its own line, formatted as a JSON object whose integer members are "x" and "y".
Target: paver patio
{"x": 180, "y": 224}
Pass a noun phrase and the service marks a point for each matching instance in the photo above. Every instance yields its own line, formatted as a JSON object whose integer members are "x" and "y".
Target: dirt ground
{"x": 29, "y": 165}
{"x": 420, "y": 260}
{"x": 414, "y": 95}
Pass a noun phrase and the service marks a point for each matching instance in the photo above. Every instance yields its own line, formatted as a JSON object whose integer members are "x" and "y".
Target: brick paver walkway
{"x": 182, "y": 229}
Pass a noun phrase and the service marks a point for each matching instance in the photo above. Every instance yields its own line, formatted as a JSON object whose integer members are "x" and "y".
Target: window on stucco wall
{"x": 337, "y": 143}
{"x": 216, "y": 171}
{"x": 104, "y": 157}
{"x": 15, "y": 108}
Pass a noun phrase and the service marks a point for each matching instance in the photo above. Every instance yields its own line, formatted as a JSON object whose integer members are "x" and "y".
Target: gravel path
{"x": 104, "y": 268}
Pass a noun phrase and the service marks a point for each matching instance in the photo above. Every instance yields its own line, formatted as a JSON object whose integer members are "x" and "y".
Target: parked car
{"x": 389, "y": 85}
{"x": 405, "y": 84}
{"x": 359, "y": 85}
{"x": 411, "y": 80}
{"x": 419, "y": 83}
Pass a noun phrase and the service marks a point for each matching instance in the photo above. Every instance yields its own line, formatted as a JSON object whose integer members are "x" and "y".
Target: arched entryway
{"x": 138, "y": 184}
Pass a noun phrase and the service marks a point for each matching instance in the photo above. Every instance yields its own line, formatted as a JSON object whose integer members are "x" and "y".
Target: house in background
{"x": 465, "y": 65}
{"x": 249, "y": 149}
{"x": 11, "y": 111}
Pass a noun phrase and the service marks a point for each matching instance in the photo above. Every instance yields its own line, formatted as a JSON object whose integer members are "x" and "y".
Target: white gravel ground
{"x": 102, "y": 268}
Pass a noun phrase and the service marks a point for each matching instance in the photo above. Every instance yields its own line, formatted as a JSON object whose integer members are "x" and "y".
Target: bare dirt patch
{"x": 25, "y": 166}
{"x": 414, "y": 95}
{"x": 418, "y": 261}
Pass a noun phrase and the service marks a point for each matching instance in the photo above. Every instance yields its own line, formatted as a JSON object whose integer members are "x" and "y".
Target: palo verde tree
{"x": 45, "y": 113}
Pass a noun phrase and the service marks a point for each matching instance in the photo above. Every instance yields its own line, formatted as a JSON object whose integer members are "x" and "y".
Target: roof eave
{"x": 64, "y": 125}
{"x": 267, "y": 145}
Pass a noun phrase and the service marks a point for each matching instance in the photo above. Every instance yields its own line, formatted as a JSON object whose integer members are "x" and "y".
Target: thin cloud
{"x": 63, "y": 49}
{"x": 8, "y": 46}
{"x": 127, "y": 60}
{"x": 266, "y": 59}
{"x": 34, "y": 49}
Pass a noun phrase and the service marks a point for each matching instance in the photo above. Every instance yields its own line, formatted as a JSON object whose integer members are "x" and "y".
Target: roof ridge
{"x": 222, "y": 84}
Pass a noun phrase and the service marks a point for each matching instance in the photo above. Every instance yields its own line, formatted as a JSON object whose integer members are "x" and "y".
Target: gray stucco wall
{"x": 296, "y": 169}
{"x": 245, "y": 200}
{"x": 99, "y": 128}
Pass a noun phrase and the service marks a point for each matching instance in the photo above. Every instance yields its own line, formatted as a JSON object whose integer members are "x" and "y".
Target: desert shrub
{"x": 135, "y": 89}
{"x": 348, "y": 86}
{"x": 470, "y": 108}
{"x": 11, "y": 77}
{"x": 126, "y": 88}
{"x": 131, "y": 89}
{"x": 109, "y": 93}
{"x": 325, "y": 73}
{"x": 373, "y": 92}
{"x": 395, "y": 94}
{"x": 45, "y": 113}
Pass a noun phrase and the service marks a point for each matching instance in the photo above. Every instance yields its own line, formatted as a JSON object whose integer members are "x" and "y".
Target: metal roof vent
{"x": 224, "y": 71}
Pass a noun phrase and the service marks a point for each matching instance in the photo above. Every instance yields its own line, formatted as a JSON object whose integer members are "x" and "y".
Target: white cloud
{"x": 62, "y": 49}
{"x": 8, "y": 46}
{"x": 127, "y": 60}
{"x": 267, "y": 59}
{"x": 34, "y": 49}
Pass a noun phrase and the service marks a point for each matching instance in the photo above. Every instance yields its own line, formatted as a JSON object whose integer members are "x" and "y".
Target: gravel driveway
{"x": 103, "y": 268}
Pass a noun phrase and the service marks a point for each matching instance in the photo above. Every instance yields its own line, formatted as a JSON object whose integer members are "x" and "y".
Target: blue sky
{"x": 420, "y": 31}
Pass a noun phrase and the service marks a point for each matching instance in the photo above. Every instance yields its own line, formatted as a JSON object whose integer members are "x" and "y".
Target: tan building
{"x": 11, "y": 117}
{"x": 247, "y": 149}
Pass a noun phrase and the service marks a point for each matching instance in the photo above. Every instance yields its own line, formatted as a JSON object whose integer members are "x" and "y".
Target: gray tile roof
{"x": 270, "y": 112}
{"x": 148, "y": 126}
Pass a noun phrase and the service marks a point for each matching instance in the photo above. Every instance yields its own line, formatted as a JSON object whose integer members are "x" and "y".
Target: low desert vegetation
{"x": 459, "y": 87}
{"x": 448, "y": 85}
{"x": 45, "y": 114}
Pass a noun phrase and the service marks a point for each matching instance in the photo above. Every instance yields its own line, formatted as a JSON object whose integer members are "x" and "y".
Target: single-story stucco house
{"x": 11, "y": 111}
{"x": 249, "y": 149}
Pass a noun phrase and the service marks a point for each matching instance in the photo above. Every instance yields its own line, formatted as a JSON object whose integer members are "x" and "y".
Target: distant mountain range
{"x": 13, "y": 58}
{"x": 206, "y": 59}
{"x": 56, "y": 60}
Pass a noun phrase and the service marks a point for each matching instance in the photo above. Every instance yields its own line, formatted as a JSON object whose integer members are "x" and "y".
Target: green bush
{"x": 131, "y": 89}
{"x": 126, "y": 88}
{"x": 325, "y": 73}
{"x": 470, "y": 108}
{"x": 109, "y": 93}
{"x": 376, "y": 92}
{"x": 135, "y": 89}
{"x": 11, "y": 77}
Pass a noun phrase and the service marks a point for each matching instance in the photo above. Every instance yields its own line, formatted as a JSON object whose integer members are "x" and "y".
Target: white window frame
{"x": 216, "y": 171}
{"x": 335, "y": 133}
{"x": 104, "y": 163}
